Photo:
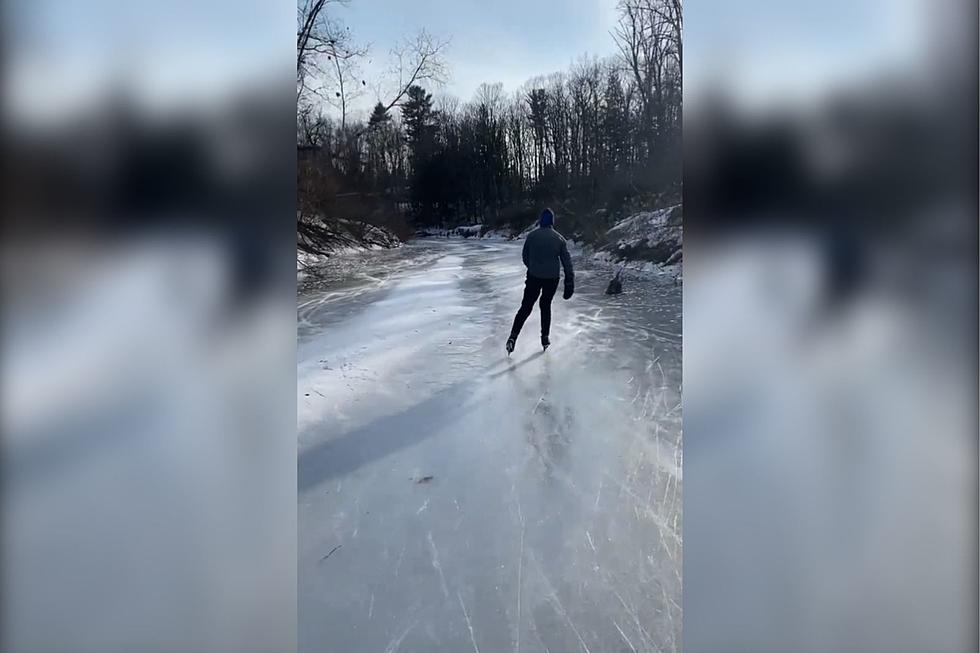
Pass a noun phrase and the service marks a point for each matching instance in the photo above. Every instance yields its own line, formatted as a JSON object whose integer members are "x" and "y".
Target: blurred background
{"x": 148, "y": 326}
{"x": 830, "y": 335}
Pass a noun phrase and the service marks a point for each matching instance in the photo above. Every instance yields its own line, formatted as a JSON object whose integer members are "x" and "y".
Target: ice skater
{"x": 544, "y": 248}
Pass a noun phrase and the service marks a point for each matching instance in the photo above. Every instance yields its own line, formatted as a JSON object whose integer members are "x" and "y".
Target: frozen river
{"x": 454, "y": 499}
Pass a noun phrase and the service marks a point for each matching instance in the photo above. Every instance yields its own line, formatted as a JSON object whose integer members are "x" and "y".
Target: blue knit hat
{"x": 547, "y": 218}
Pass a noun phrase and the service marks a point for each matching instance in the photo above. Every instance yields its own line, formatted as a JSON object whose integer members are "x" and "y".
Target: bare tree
{"x": 344, "y": 74}
{"x": 491, "y": 96}
{"x": 326, "y": 49}
{"x": 630, "y": 35}
{"x": 311, "y": 127}
{"x": 316, "y": 34}
{"x": 648, "y": 37}
{"x": 416, "y": 60}
{"x": 447, "y": 104}
{"x": 672, "y": 15}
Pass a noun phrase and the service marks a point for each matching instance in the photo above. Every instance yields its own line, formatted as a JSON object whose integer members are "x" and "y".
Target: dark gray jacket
{"x": 543, "y": 249}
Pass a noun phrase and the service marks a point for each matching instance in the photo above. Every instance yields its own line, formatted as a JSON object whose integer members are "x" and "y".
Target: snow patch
{"x": 650, "y": 242}
{"x": 324, "y": 239}
{"x": 479, "y": 231}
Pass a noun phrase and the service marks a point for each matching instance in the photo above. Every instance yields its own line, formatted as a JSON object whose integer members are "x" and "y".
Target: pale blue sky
{"x": 68, "y": 52}
{"x": 506, "y": 41}
{"x": 759, "y": 48}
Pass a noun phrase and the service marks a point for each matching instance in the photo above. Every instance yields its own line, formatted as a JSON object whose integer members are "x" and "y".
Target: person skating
{"x": 545, "y": 252}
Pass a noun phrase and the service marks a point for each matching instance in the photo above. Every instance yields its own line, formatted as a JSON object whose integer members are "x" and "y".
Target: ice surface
{"x": 482, "y": 502}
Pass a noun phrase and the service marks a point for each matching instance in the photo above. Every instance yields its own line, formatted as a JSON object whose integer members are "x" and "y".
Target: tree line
{"x": 592, "y": 137}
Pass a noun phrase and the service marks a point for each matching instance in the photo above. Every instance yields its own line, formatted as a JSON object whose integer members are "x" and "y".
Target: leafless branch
{"x": 416, "y": 60}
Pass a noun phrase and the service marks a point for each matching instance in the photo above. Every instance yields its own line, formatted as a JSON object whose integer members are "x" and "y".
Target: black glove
{"x": 569, "y": 290}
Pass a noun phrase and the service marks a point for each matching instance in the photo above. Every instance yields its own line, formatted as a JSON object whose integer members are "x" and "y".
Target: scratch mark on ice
{"x": 399, "y": 563}
{"x": 630, "y": 611}
{"x": 520, "y": 573}
{"x": 557, "y": 603}
{"x": 395, "y": 643}
{"x": 628, "y": 642}
{"x": 437, "y": 566}
{"x": 469, "y": 624}
{"x": 589, "y": 537}
{"x": 664, "y": 528}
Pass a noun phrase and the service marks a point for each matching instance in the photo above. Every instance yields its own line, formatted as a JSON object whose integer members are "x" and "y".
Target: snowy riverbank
{"x": 480, "y": 231}
{"x": 646, "y": 244}
{"x": 319, "y": 240}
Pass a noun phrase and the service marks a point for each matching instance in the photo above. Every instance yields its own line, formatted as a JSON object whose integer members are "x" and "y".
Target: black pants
{"x": 532, "y": 288}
